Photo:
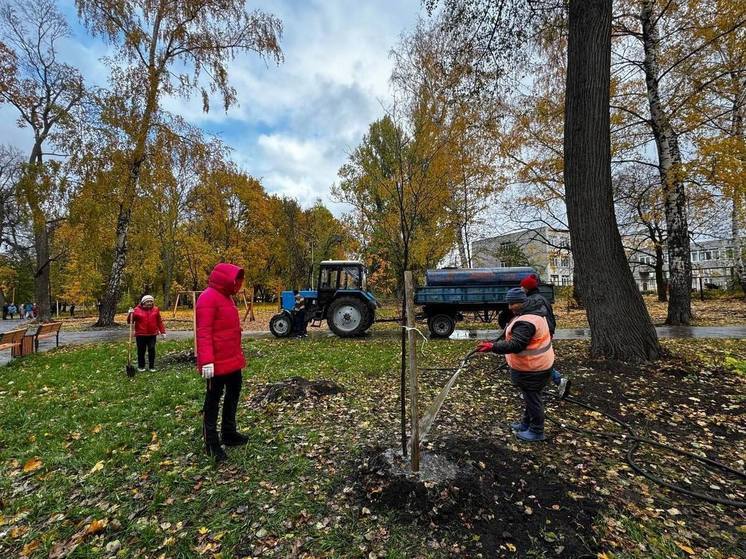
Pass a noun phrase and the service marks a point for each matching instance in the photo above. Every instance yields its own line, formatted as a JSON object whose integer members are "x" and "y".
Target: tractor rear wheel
{"x": 348, "y": 317}
{"x": 441, "y": 325}
{"x": 281, "y": 325}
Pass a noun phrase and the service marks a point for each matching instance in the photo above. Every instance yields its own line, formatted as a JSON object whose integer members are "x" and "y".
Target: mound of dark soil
{"x": 296, "y": 389}
{"x": 510, "y": 507}
{"x": 185, "y": 357}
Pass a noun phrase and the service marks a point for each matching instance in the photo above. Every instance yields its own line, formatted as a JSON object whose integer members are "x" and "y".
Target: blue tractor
{"x": 342, "y": 299}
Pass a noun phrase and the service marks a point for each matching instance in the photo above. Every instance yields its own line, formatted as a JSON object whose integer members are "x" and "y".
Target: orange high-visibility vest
{"x": 539, "y": 354}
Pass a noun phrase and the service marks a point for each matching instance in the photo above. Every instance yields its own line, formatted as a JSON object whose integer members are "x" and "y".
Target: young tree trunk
{"x": 620, "y": 325}
{"x": 671, "y": 173}
{"x": 737, "y": 201}
{"x": 463, "y": 259}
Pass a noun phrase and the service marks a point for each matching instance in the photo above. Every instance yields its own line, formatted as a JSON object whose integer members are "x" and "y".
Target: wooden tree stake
{"x": 412, "y": 346}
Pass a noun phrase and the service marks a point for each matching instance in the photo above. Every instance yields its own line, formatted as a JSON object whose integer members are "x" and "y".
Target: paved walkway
{"x": 121, "y": 334}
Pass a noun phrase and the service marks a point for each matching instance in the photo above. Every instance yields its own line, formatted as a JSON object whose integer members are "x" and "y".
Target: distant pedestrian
{"x": 28, "y": 311}
{"x": 12, "y": 310}
{"x": 220, "y": 357}
{"x": 5, "y": 311}
{"x": 300, "y": 324}
{"x": 35, "y": 310}
{"x": 148, "y": 325}
{"x": 72, "y": 310}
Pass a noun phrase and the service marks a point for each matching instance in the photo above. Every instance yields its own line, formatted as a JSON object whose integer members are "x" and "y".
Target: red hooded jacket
{"x": 148, "y": 322}
{"x": 218, "y": 323}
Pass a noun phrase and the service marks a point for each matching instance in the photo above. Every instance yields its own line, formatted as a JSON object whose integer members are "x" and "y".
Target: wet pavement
{"x": 120, "y": 334}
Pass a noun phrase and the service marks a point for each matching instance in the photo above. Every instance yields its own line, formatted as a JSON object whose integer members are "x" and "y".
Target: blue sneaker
{"x": 518, "y": 426}
{"x": 529, "y": 436}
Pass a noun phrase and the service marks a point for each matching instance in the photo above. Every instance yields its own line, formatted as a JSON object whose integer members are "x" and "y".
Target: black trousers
{"x": 145, "y": 343}
{"x": 531, "y": 385}
{"x": 232, "y": 385}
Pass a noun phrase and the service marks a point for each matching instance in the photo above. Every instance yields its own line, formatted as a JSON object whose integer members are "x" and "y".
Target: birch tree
{"x": 167, "y": 47}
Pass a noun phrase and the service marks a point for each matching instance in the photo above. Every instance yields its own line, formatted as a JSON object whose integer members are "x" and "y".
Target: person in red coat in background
{"x": 148, "y": 324}
{"x": 220, "y": 357}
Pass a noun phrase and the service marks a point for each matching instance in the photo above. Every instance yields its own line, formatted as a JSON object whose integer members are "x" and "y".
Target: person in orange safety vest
{"x": 528, "y": 350}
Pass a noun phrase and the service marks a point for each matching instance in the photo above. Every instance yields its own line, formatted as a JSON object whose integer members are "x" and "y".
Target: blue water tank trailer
{"x": 450, "y": 292}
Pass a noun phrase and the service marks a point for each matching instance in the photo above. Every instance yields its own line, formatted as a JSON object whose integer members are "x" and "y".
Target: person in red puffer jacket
{"x": 220, "y": 357}
{"x": 148, "y": 325}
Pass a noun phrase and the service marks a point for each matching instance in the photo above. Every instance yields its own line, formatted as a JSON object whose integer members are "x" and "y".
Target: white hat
{"x": 146, "y": 298}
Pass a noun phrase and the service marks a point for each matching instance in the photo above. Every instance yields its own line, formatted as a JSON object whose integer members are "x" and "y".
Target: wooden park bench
{"x": 47, "y": 330}
{"x": 13, "y": 340}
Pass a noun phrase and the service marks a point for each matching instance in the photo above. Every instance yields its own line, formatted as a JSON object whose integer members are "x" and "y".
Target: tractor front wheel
{"x": 348, "y": 317}
{"x": 281, "y": 325}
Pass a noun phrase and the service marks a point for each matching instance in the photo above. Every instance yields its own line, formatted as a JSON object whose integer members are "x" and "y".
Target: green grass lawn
{"x": 95, "y": 464}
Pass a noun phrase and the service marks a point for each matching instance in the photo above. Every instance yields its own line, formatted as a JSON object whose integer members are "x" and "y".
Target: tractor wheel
{"x": 348, "y": 317}
{"x": 281, "y": 325}
{"x": 441, "y": 325}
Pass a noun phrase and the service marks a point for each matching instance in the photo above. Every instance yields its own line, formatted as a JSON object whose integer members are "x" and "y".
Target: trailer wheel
{"x": 281, "y": 325}
{"x": 441, "y": 325}
{"x": 348, "y": 317}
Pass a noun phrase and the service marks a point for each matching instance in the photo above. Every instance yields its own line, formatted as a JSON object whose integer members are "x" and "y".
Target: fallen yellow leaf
{"x": 685, "y": 548}
{"x": 96, "y": 527}
{"x": 97, "y": 429}
{"x": 32, "y": 464}
{"x": 510, "y": 547}
{"x": 97, "y": 468}
{"x": 29, "y": 548}
{"x": 18, "y": 532}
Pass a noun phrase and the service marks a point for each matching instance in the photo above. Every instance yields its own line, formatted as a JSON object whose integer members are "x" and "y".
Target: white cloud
{"x": 294, "y": 123}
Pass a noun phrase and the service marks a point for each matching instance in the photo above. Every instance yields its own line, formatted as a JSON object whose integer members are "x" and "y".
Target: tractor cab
{"x": 336, "y": 275}
{"x": 341, "y": 298}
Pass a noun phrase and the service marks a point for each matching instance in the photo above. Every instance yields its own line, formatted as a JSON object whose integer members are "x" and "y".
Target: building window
{"x": 703, "y": 255}
{"x": 715, "y": 254}
{"x": 694, "y": 256}
{"x": 729, "y": 253}
{"x": 565, "y": 280}
{"x": 555, "y": 279}
{"x": 565, "y": 262}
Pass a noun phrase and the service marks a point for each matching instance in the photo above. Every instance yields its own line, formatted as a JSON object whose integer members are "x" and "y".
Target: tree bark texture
{"x": 660, "y": 279}
{"x": 672, "y": 178}
{"x": 620, "y": 325}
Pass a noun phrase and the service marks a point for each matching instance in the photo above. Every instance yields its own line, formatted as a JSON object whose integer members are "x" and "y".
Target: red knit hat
{"x": 530, "y": 282}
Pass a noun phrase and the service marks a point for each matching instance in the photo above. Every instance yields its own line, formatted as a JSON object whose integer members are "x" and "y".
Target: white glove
{"x": 208, "y": 371}
{"x": 163, "y": 334}
{"x": 130, "y": 310}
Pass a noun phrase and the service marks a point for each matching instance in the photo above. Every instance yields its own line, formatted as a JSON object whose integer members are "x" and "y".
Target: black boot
{"x": 217, "y": 452}
{"x": 234, "y": 439}
{"x": 210, "y": 420}
{"x": 230, "y": 435}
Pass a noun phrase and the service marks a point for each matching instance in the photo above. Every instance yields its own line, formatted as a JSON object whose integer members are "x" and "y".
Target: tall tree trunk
{"x": 660, "y": 280}
{"x": 620, "y": 325}
{"x": 737, "y": 198}
{"x": 671, "y": 173}
{"x": 110, "y": 299}
{"x": 30, "y": 190}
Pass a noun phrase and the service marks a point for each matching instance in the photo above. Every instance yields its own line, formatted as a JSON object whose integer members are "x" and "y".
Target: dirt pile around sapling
{"x": 295, "y": 389}
{"x": 511, "y": 505}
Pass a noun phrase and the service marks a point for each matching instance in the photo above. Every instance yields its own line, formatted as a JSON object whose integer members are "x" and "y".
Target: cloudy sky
{"x": 296, "y": 122}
